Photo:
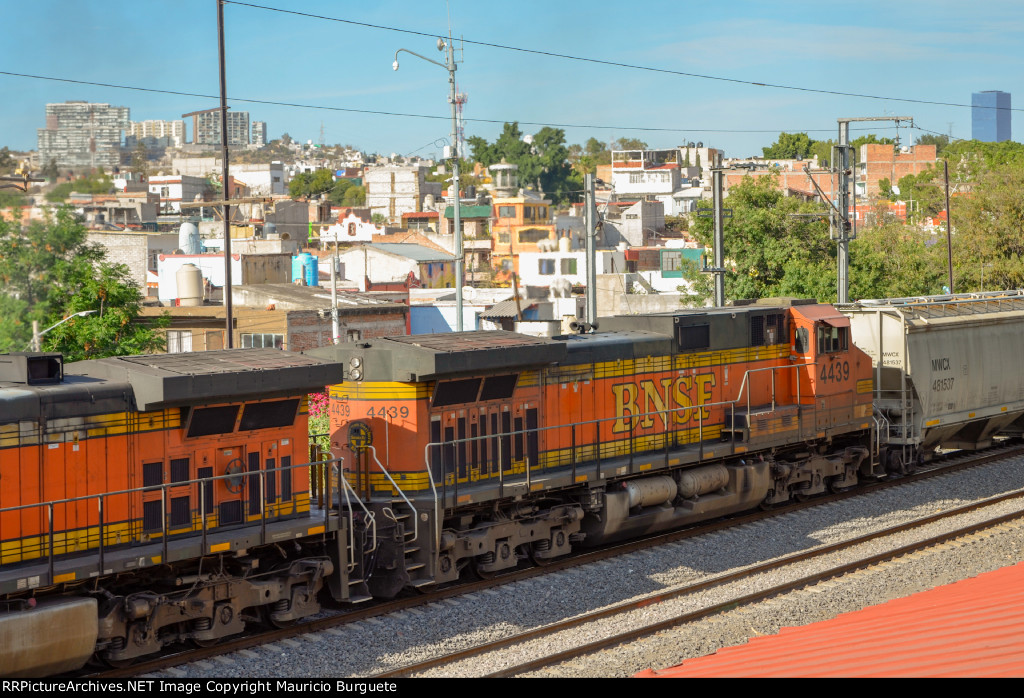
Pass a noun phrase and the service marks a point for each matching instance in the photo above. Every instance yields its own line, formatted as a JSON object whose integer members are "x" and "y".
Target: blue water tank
{"x": 305, "y": 267}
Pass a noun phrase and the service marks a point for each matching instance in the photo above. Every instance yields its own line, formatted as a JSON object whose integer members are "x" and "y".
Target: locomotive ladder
{"x": 403, "y": 512}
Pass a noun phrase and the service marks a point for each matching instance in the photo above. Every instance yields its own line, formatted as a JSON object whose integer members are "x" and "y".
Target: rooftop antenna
{"x": 460, "y": 99}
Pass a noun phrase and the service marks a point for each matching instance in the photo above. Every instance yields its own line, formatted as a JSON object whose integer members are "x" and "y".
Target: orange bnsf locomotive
{"x": 488, "y": 447}
{"x": 146, "y": 500}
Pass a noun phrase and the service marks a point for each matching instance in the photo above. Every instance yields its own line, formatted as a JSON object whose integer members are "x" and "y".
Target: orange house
{"x": 521, "y": 224}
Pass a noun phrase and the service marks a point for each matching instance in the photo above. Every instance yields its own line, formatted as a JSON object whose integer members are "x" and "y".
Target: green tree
{"x": 630, "y": 144}
{"x": 892, "y": 260}
{"x": 699, "y": 289}
{"x": 544, "y": 163}
{"x": 823, "y": 151}
{"x": 926, "y": 192}
{"x": 308, "y": 185}
{"x": 988, "y": 227}
{"x": 48, "y": 271}
{"x": 354, "y": 196}
{"x": 7, "y": 162}
{"x": 90, "y": 184}
{"x": 939, "y": 140}
{"x": 771, "y": 251}
{"x": 789, "y": 146}
{"x": 50, "y": 170}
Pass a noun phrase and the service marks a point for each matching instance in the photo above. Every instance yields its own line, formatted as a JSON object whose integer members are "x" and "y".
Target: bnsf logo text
{"x": 665, "y": 396}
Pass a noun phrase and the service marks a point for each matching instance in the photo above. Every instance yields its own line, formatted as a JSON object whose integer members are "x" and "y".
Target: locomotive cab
{"x": 834, "y": 375}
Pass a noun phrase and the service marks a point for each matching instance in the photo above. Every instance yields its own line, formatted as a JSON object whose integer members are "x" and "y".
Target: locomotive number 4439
{"x": 835, "y": 372}
{"x": 388, "y": 412}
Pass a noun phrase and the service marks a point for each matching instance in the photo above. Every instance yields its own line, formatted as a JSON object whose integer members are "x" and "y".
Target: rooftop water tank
{"x": 190, "y": 285}
{"x": 306, "y": 267}
{"x": 188, "y": 239}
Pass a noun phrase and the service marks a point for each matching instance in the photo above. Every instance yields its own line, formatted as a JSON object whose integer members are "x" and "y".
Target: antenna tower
{"x": 460, "y": 99}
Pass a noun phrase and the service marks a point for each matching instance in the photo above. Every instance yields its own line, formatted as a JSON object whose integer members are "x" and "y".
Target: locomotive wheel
{"x": 279, "y": 624}
{"x": 541, "y": 561}
{"x": 895, "y": 466}
{"x": 481, "y": 573}
{"x": 205, "y": 643}
{"x": 119, "y": 663}
{"x": 834, "y": 488}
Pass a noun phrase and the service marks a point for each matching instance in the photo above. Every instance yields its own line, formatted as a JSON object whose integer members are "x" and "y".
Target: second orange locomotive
{"x": 502, "y": 446}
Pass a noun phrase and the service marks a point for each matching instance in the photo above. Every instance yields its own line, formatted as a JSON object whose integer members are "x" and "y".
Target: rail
{"x": 53, "y": 544}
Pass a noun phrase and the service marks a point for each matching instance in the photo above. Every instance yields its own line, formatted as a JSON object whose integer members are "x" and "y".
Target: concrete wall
{"x": 392, "y": 191}
{"x": 612, "y": 300}
{"x": 134, "y": 250}
{"x": 307, "y": 330}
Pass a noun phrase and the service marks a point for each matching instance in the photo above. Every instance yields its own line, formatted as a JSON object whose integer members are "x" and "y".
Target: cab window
{"x": 832, "y": 339}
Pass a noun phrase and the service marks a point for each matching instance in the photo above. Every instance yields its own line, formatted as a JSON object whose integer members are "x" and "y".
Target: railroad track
{"x": 331, "y": 620}
{"x": 538, "y": 641}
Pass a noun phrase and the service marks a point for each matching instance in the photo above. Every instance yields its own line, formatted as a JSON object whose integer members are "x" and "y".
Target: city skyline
{"x": 928, "y": 53}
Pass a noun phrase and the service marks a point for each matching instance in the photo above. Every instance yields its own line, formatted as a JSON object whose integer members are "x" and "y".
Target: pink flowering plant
{"x": 319, "y": 420}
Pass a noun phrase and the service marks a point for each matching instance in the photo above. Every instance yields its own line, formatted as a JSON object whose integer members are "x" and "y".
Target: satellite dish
{"x": 896, "y": 190}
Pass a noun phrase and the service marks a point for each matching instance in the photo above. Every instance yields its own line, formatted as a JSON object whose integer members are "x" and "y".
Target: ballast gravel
{"x": 363, "y": 649}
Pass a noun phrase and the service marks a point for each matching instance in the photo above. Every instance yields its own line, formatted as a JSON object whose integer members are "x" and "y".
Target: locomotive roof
{"x": 430, "y": 356}
{"x": 164, "y": 380}
{"x": 612, "y": 345}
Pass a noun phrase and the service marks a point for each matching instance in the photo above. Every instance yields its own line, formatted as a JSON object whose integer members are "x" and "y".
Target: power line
{"x": 180, "y": 93}
{"x": 616, "y": 64}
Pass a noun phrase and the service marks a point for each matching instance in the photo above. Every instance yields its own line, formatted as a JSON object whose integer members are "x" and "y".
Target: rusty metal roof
{"x": 973, "y": 628}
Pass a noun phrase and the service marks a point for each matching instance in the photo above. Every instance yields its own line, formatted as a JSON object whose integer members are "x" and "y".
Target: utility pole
{"x": 949, "y": 229}
{"x": 229, "y": 320}
{"x": 590, "y": 219}
{"x": 717, "y": 176}
{"x": 453, "y": 151}
{"x": 335, "y": 324}
{"x": 840, "y": 228}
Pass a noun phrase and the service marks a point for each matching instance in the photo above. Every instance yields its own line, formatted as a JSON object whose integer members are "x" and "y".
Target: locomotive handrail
{"x": 101, "y": 545}
{"x": 746, "y": 374}
{"x": 416, "y": 525}
{"x": 633, "y": 419}
{"x": 371, "y": 517}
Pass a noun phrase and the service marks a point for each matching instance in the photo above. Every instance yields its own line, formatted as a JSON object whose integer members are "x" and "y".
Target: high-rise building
{"x": 206, "y": 127}
{"x": 259, "y": 133}
{"x": 990, "y": 116}
{"x": 171, "y": 133}
{"x": 82, "y": 135}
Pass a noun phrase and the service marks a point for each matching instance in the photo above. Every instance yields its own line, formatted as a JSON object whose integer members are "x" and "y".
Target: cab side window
{"x": 832, "y": 339}
{"x": 803, "y": 344}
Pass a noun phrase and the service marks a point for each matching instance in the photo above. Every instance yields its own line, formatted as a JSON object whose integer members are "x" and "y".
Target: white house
{"x": 543, "y": 268}
{"x": 174, "y": 189}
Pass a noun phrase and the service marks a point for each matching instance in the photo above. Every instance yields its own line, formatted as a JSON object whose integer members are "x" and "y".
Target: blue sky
{"x": 934, "y": 51}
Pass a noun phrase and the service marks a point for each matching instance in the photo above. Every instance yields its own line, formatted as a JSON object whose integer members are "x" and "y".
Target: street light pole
{"x": 450, "y": 65}
{"x": 37, "y": 336}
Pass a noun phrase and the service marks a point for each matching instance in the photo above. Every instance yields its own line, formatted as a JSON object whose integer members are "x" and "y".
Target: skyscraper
{"x": 259, "y": 133}
{"x": 206, "y": 127}
{"x": 82, "y": 135}
{"x": 990, "y": 116}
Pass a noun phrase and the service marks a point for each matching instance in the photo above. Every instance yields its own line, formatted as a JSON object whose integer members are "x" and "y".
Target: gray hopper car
{"x": 946, "y": 370}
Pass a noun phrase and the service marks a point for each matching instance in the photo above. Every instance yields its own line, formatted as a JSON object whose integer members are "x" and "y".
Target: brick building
{"x": 879, "y": 161}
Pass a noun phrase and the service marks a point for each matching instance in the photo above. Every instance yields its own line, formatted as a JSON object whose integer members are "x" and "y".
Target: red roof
{"x": 973, "y": 628}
